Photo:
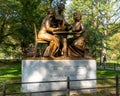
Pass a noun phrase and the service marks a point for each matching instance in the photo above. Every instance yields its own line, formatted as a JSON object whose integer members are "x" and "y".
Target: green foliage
{"x": 16, "y": 23}
{"x": 8, "y": 19}
{"x": 17, "y": 18}
{"x": 99, "y": 18}
{"x": 114, "y": 44}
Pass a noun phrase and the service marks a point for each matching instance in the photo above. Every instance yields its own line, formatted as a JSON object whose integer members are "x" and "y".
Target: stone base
{"x": 56, "y": 70}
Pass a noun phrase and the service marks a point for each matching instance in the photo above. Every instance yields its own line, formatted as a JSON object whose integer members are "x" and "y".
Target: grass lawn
{"x": 101, "y": 73}
{"x": 10, "y": 71}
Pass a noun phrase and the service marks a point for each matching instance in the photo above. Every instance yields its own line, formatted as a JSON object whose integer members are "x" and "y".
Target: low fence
{"x": 110, "y": 66}
{"x": 68, "y": 89}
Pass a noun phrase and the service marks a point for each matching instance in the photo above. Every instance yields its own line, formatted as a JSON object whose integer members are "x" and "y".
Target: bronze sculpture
{"x": 55, "y": 30}
{"x": 45, "y": 34}
{"x": 77, "y": 43}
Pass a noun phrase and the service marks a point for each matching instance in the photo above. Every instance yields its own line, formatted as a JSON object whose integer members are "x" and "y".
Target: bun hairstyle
{"x": 61, "y": 6}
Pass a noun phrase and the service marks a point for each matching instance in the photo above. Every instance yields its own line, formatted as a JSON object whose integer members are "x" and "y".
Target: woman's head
{"x": 61, "y": 6}
{"x": 77, "y": 15}
{"x": 51, "y": 11}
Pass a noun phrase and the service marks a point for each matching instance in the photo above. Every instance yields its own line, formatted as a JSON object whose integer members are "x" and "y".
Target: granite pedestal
{"x": 56, "y": 70}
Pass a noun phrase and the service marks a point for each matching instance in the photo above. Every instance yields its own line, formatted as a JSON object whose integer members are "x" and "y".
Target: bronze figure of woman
{"x": 45, "y": 34}
{"x": 77, "y": 44}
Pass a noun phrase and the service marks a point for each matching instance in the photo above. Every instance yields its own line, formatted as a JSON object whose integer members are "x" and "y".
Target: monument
{"x": 62, "y": 58}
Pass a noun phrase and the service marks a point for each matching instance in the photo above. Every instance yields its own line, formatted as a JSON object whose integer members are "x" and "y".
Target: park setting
{"x": 59, "y": 48}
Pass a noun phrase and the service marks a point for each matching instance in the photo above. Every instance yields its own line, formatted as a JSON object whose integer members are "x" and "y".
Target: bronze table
{"x": 64, "y": 34}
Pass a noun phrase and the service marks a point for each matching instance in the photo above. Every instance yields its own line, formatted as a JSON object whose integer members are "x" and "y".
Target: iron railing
{"x": 68, "y": 88}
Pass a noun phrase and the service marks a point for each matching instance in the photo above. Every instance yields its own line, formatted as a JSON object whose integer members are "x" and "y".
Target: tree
{"x": 114, "y": 43}
{"x": 8, "y": 18}
{"x": 16, "y": 23}
{"x": 98, "y": 15}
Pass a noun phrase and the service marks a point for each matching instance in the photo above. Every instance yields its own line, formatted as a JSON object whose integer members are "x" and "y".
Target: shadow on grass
{"x": 10, "y": 70}
{"x": 102, "y": 73}
{"x": 109, "y": 77}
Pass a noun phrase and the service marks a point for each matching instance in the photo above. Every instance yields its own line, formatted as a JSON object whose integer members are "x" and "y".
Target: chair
{"x": 37, "y": 41}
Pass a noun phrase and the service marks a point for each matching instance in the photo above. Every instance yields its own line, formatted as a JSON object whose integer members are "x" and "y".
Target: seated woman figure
{"x": 77, "y": 43}
{"x": 45, "y": 34}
